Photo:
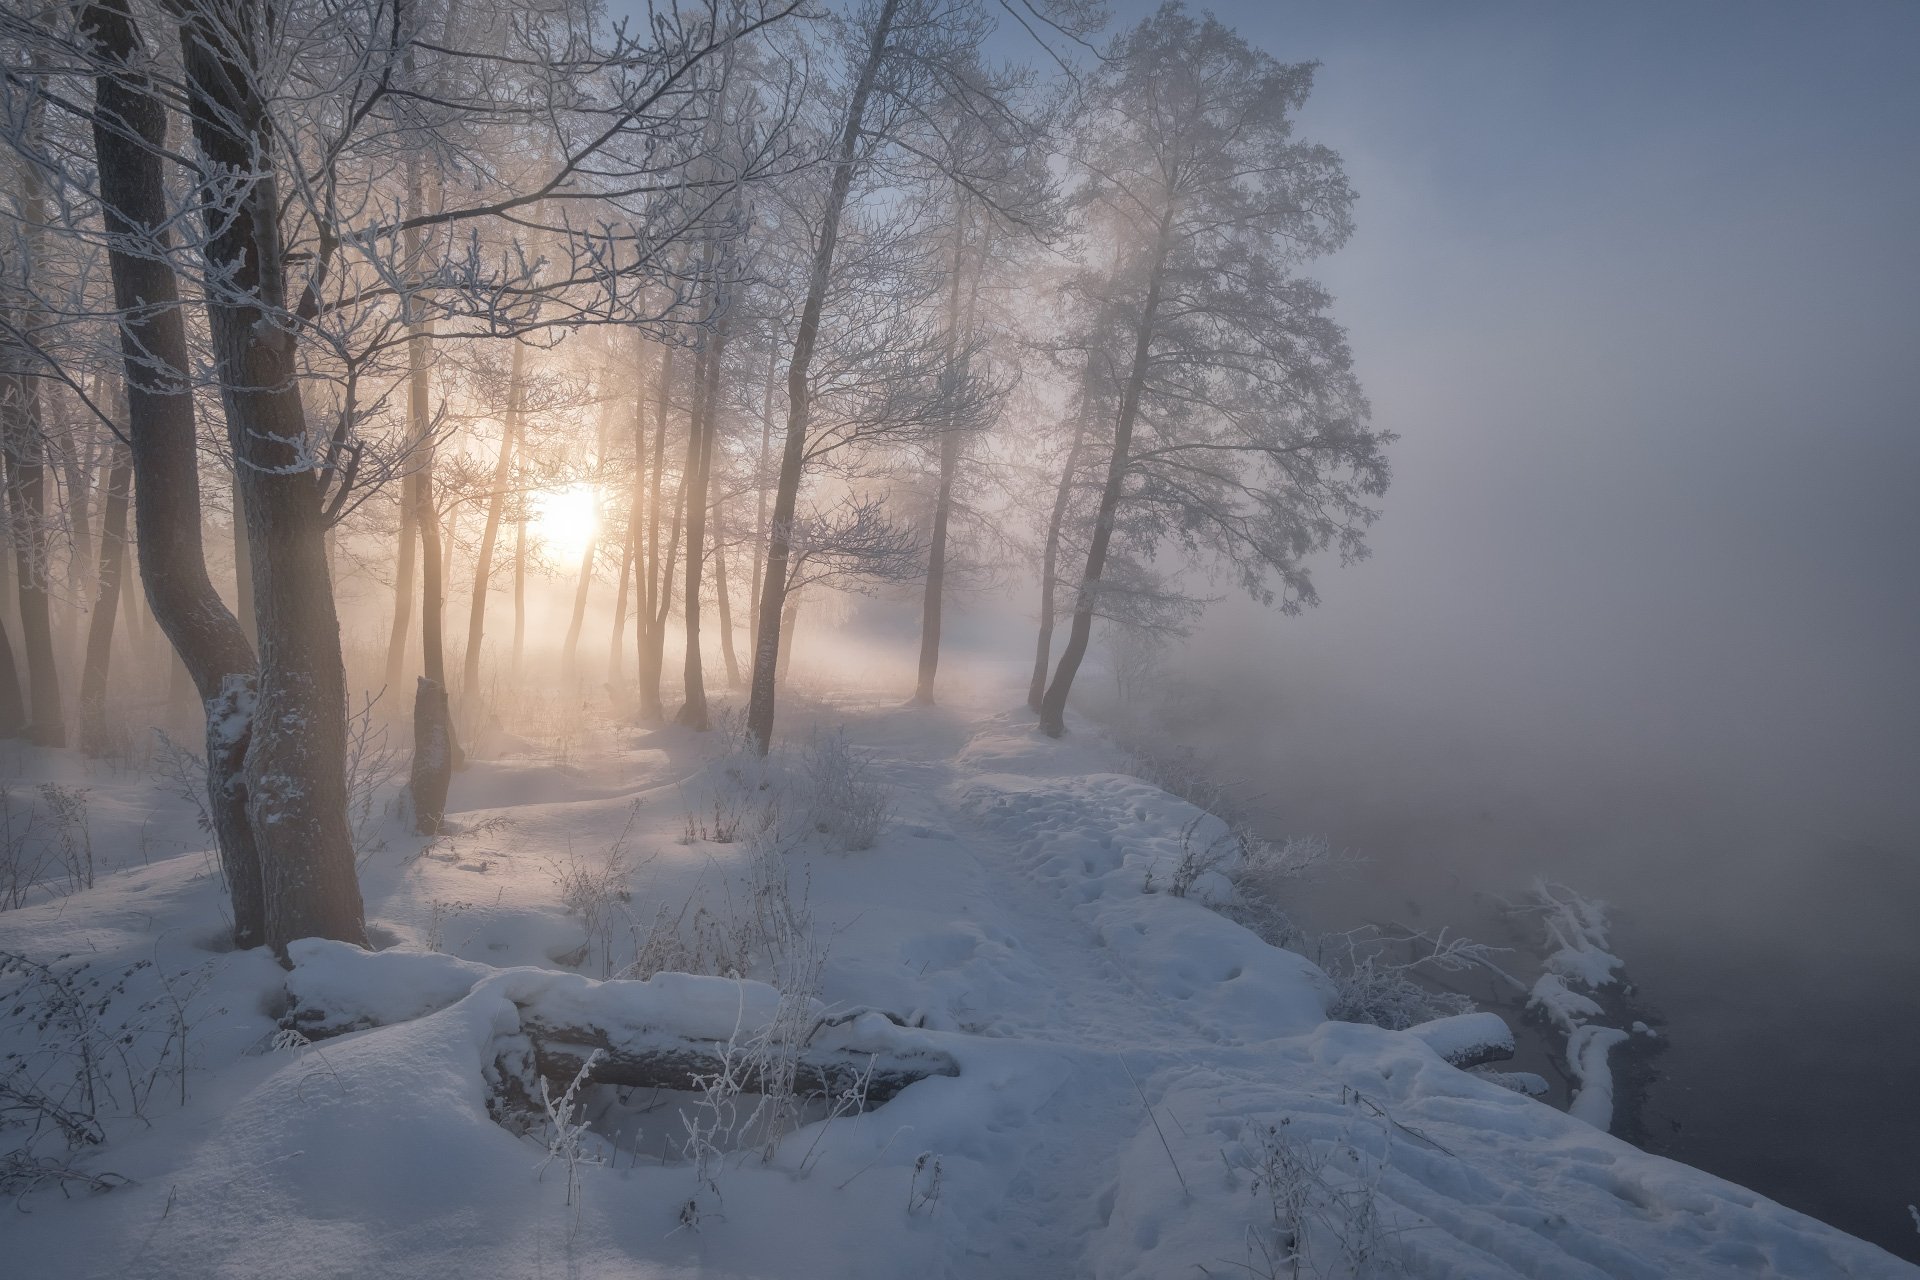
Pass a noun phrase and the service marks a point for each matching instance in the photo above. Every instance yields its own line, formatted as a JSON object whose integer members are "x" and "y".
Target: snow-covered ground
{"x": 1120, "y": 1082}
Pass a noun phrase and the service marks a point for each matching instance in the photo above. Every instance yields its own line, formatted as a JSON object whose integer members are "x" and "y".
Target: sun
{"x": 564, "y": 519}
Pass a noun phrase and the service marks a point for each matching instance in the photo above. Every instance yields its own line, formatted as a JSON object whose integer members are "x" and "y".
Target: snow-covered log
{"x": 1467, "y": 1039}
{"x": 664, "y": 1032}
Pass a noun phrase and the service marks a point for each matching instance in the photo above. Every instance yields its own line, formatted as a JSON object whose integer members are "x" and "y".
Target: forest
{"x": 712, "y": 309}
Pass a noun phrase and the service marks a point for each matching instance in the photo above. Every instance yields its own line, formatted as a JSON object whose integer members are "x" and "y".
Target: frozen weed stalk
{"x": 67, "y": 814}
{"x": 566, "y": 1129}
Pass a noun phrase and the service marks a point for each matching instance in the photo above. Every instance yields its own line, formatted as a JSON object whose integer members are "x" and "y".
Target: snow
{"x": 1576, "y": 929}
{"x": 1144, "y": 1087}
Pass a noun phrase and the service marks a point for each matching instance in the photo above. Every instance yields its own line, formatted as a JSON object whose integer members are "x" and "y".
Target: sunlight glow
{"x": 565, "y": 520}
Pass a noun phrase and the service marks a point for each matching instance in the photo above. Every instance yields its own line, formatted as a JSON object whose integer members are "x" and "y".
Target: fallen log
{"x": 1467, "y": 1039}
{"x": 670, "y": 1031}
{"x": 645, "y": 1058}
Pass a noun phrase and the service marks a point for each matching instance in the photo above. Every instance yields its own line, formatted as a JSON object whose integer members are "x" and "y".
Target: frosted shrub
{"x": 594, "y": 887}
{"x": 23, "y": 860}
{"x": 1264, "y": 873}
{"x": 372, "y": 764}
{"x": 66, "y": 811}
{"x": 1374, "y": 975}
{"x": 844, "y": 800}
{"x": 94, "y": 1042}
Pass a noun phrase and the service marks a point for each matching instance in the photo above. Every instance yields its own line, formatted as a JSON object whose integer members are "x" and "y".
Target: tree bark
{"x": 1053, "y": 706}
{"x": 243, "y": 572}
{"x": 296, "y": 760}
{"x": 106, "y": 605}
{"x": 773, "y": 589}
{"x": 129, "y": 136}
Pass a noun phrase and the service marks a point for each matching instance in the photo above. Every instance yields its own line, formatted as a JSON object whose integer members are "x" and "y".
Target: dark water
{"x": 1781, "y": 952}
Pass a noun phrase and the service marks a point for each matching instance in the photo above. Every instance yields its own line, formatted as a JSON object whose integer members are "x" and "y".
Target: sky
{"x": 1636, "y": 285}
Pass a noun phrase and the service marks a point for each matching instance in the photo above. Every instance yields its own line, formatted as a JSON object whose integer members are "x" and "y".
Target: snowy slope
{"x": 1144, "y": 1088}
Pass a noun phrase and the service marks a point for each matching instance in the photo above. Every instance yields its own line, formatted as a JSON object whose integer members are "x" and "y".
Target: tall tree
{"x": 1254, "y": 444}
{"x": 130, "y": 139}
{"x": 296, "y": 760}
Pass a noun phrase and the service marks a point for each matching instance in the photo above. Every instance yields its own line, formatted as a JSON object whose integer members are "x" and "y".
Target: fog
{"x": 1635, "y": 286}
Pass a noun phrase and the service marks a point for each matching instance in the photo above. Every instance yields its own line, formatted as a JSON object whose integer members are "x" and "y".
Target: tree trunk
{"x": 296, "y": 760}
{"x": 615, "y": 656}
{"x": 760, "y": 486}
{"x": 23, "y": 439}
{"x": 1053, "y": 706}
{"x": 773, "y": 589}
{"x": 519, "y": 590}
{"x": 490, "y": 532}
{"x": 106, "y": 605}
{"x": 789, "y": 618}
{"x": 569, "y": 656}
{"x": 1050, "y": 557}
{"x": 403, "y": 583}
{"x": 693, "y": 707}
{"x": 657, "y": 579}
{"x": 243, "y": 572}
{"x": 434, "y": 749}
{"x": 934, "y": 597}
{"x": 723, "y": 604}
{"x": 930, "y": 604}
{"x": 26, "y": 509}
{"x": 76, "y": 468}
{"x": 129, "y": 135}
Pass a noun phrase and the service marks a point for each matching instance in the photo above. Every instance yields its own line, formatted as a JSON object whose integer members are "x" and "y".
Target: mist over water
{"x": 1634, "y": 286}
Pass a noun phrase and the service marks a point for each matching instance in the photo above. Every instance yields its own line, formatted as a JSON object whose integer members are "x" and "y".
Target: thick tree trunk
{"x": 106, "y": 605}
{"x": 490, "y": 532}
{"x": 1053, "y": 706}
{"x": 773, "y": 590}
{"x": 129, "y": 135}
{"x": 296, "y": 760}
{"x": 243, "y": 572}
